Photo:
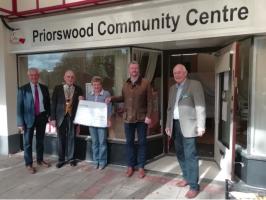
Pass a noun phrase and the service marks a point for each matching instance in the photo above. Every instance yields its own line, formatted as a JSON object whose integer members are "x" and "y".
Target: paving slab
{"x": 85, "y": 182}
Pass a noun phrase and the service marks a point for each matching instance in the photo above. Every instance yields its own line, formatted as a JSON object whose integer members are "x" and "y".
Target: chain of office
{"x": 165, "y": 22}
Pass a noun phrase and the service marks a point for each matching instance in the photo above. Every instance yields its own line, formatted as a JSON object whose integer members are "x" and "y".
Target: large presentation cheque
{"x": 90, "y": 113}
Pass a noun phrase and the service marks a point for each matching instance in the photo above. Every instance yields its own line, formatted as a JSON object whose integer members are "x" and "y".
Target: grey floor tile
{"x": 83, "y": 181}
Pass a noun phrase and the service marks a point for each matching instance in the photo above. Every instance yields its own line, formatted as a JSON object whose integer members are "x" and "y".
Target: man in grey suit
{"x": 33, "y": 111}
{"x": 185, "y": 121}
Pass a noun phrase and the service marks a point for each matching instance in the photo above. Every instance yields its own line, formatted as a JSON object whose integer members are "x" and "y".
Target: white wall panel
{"x": 24, "y": 5}
{"x": 45, "y": 3}
{"x": 8, "y": 85}
{"x": 3, "y": 116}
{"x": 258, "y": 125}
{"x": 6, "y": 4}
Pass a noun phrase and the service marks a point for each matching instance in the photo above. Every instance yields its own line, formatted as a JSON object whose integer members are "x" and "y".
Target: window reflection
{"x": 110, "y": 64}
{"x": 150, "y": 68}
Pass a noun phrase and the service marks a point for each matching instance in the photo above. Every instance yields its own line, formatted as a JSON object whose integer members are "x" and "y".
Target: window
{"x": 150, "y": 68}
{"x": 110, "y": 64}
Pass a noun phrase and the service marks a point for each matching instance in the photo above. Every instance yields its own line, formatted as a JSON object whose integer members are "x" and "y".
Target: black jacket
{"x": 59, "y": 102}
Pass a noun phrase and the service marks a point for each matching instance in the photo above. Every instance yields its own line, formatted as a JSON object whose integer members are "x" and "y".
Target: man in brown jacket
{"x": 136, "y": 95}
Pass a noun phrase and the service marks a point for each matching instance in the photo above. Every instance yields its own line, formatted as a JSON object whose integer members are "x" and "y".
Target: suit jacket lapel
{"x": 185, "y": 89}
{"x": 75, "y": 95}
{"x": 30, "y": 93}
{"x": 62, "y": 94}
{"x": 42, "y": 89}
{"x": 174, "y": 96}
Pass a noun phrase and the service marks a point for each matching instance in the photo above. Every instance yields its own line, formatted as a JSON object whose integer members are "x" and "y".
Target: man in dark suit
{"x": 33, "y": 110}
{"x": 63, "y": 110}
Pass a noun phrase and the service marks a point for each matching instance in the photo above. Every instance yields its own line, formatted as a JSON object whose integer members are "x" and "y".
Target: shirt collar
{"x": 32, "y": 85}
{"x": 138, "y": 81}
{"x": 101, "y": 93}
{"x": 180, "y": 84}
{"x": 66, "y": 86}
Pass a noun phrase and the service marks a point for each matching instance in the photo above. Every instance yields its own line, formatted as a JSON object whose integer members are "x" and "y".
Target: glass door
{"x": 226, "y": 72}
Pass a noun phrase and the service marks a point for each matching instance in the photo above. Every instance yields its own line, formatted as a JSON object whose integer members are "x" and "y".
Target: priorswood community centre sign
{"x": 146, "y": 22}
{"x": 165, "y": 21}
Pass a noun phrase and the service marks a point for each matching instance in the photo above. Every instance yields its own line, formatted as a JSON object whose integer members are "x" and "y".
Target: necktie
{"x": 69, "y": 92}
{"x": 36, "y": 101}
{"x": 68, "y": 100}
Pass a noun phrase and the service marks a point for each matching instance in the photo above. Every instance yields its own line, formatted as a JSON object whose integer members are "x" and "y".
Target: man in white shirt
{"x": 186, "y": 117}
{"x": 33, "y": 111}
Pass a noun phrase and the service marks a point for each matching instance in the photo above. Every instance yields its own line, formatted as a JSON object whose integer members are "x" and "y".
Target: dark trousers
{"x": 187, "y": 156}
{"x": 66, "y": 140}
{"x": 130, "y": 129}
{"x": 39, "y": 125}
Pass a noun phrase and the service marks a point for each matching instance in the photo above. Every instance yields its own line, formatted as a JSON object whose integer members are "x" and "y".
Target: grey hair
{"x": 97, "y": 79}
{"x": 33, "y": 69}
{"x": 70, "y": 71}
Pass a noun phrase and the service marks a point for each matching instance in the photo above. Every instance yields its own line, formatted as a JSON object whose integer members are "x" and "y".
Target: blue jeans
{"x": 130, "y": 129}
{"x": 187, "y": 156}
{"x": 99, "y": 145}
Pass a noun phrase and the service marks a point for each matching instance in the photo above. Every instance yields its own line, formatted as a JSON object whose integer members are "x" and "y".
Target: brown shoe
{"x": 182, "y": 183}
{"x": 191, "y": 194}
{"x": 141, "y": 173}
{"x": 44, "y": 163}
{"x": 129, "y": 172}
{"x": 31, "y": 169}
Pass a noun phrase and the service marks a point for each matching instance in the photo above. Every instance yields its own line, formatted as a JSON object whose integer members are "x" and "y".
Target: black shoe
{"x": 60, "y": 164}
{"x": 73, "y": 163}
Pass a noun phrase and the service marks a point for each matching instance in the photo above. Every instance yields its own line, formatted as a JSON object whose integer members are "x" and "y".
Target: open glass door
{"x": 226, "y": 72}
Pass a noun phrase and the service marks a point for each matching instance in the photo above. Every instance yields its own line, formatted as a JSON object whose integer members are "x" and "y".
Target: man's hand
{"x": 168, "y": 132}
{"x": 21, "y": 129}
{"x": 109, "y": 123}
{"x": 201, "y": 131}
{"x": 108, "y": 100}
{"x": 81, "y": 98}
{"x": 147, "y": 120}
{"x": 53, "y": 123}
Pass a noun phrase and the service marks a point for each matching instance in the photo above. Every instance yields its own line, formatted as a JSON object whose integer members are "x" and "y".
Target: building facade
{"x": 222, "y": 43}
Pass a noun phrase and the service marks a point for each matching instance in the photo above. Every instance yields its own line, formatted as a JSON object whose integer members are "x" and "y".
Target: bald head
{"x": 69, "y": 77}
{"x": 180, "y": 73}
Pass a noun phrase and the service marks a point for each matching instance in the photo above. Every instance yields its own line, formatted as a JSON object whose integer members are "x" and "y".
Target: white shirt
{"x": 179, "y": 91}
{"x": 40, "y": 95}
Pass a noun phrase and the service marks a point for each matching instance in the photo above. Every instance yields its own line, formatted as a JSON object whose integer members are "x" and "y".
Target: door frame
{"x": 223, "y": 155}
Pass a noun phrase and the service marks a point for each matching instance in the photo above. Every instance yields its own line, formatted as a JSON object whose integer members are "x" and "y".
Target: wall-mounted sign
{"x": 136, "y": 23}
